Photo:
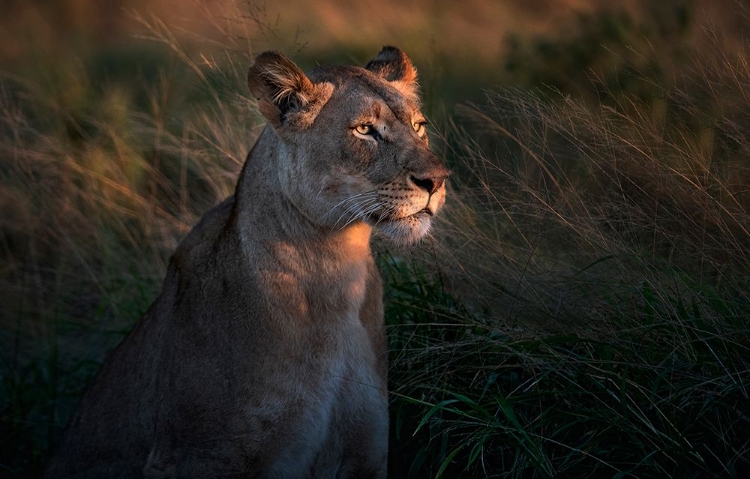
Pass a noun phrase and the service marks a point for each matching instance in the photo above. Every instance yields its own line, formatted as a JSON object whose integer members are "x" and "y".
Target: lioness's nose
{"x": 430, "y": 182}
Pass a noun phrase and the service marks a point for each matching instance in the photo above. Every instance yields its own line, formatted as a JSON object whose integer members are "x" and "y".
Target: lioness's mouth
{"x": 379, "y": 219}
{"x": 404, "y": 229}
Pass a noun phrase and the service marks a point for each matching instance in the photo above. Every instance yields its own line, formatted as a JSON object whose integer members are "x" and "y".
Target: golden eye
{"x": 419, "y": 127}
{"x": 364, "y": 129}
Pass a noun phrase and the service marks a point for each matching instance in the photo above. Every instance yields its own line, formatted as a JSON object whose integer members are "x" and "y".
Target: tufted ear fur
{"x": 284, "y": 92}
{"x": 394, "y": 66}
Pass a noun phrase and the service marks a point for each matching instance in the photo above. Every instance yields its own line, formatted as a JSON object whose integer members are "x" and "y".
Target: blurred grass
{"x": 589, "y": 316}
{"x": 580, "y": 309}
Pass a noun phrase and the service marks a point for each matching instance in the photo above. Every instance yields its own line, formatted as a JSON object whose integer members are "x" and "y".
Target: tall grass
{"x": 103, "y": 171}
{"x": 589, "y": 312}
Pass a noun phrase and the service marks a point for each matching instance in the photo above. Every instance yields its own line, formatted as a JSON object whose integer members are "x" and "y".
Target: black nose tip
{"x": 428, "y": 183}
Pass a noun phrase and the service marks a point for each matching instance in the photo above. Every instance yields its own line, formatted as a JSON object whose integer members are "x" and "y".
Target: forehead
{"x": 357, "y": 89}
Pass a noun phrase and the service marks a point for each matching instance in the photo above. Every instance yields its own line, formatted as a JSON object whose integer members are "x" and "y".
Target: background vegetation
{"x": 581, "y": 308}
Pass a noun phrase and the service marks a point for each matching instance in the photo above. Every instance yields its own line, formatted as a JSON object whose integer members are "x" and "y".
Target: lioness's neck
{"x": 261, "y": 205}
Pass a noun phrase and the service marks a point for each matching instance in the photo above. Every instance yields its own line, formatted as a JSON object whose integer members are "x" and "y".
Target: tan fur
{"x": 265, "y": 355}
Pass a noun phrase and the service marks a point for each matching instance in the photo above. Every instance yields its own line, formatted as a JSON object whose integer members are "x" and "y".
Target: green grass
{"x": 580, "y": 309}
{"x": 656, "y": 394}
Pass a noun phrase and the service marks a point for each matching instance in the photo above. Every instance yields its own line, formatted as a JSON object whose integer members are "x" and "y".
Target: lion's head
{"x": 354, "y": 143}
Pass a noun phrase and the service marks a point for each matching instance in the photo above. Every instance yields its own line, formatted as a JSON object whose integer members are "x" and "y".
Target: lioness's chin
{"x": 406, "y": 231}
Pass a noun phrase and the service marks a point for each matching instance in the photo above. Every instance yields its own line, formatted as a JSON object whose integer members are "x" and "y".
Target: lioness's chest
{"x": 335, "y": 393}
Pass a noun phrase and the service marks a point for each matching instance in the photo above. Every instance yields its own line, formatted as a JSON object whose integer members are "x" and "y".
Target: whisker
{"x": 386, "y": 212}
{"x": 355, "y": 208}
{"x": 348, "y": 199}
{"x": 371, "y": 208}
{"x": 362, "y": 213}
{"x": 352, "y": 209}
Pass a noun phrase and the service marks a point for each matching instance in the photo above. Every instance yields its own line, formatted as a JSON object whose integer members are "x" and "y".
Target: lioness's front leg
{"x": 366, "y": 448}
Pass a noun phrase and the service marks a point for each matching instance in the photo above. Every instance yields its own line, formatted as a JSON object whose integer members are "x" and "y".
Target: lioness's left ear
{"x": 394, "y": 66}
{"x": 284, "y": 92}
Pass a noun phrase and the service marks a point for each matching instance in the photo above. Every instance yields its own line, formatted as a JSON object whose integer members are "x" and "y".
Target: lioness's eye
{"x": 364, "y": 129}
{"x": 419, "y": 127}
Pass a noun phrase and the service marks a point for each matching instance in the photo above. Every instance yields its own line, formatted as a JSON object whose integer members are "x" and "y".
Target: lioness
{"x": 265, "y": 355}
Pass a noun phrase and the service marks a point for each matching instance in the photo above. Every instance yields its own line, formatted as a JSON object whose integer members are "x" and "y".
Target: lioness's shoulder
{"x": 205, "y": 237}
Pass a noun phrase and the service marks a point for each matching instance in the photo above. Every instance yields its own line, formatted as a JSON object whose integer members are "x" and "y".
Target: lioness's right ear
{"x": 283, "y": 90}
{"x": 394, "y": 66}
